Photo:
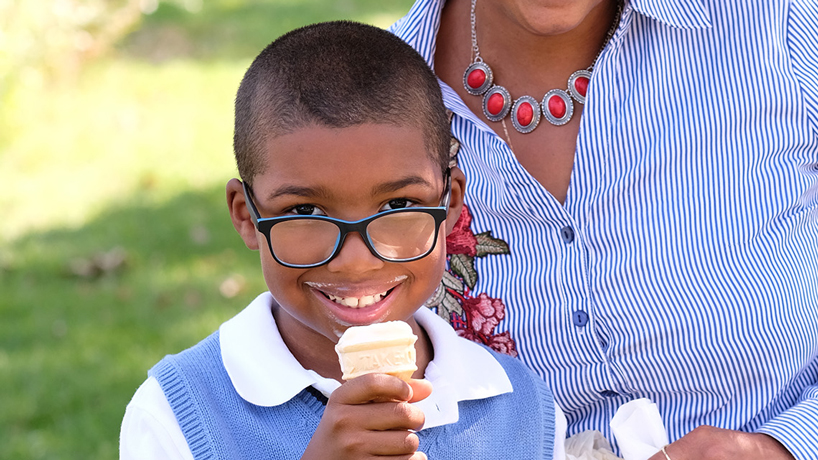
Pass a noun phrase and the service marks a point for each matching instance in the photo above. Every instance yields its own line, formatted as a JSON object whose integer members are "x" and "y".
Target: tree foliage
{"x": 41, "y": 40}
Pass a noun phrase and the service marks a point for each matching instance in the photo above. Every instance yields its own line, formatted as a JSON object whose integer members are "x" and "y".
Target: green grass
{"x": 125, "y": 128}
{"x": 75, "y": 348}
{"x": 129, "y": 159}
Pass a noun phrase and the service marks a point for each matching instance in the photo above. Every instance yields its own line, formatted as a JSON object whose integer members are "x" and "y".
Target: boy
{"x": 342, "y": 143}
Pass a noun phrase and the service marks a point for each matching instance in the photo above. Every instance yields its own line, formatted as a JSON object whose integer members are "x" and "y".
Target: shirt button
{"x": 567, "y": 234}
{"x": 580, "y": 318}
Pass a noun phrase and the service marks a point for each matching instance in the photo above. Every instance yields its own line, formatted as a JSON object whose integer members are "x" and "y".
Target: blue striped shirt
{"x": 683, "y": 265}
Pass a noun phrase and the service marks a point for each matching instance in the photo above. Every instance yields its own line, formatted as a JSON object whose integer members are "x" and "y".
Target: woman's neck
{"x": 530, "y": 53}
{"x": 523, "y": 47}
{"x": 526, "y": 46}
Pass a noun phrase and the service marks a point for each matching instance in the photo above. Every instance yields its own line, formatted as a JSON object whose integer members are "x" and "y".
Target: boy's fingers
{"x": 372, "y": 388}
{"x": 378, "y": 402}
{"x": 390, "y": 416}
{"x": 393, "y": 443}
{"x": 421, "y": 389}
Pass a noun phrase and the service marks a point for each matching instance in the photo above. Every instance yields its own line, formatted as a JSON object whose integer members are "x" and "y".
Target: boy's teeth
{"x": 350, "y": 302}
{"x": 366, "y": 300}
{"x": 355, "y": 302}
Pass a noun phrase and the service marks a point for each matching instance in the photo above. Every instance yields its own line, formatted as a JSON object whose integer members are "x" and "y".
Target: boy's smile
{"x": 351, "y": 174}
{"x": 355, "y": 298}
{"x": 364, "y": 303}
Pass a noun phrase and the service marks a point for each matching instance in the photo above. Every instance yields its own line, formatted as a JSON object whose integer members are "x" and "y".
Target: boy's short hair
{"x": 336, "y": 74}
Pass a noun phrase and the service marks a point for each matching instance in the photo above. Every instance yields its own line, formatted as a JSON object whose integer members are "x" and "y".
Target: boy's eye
{"x": 306, "y": 210}
{"x": 397, "y": 203}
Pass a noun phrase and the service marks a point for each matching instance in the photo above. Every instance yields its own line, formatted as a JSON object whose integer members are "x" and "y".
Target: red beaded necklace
{"x": 557, "y": 106}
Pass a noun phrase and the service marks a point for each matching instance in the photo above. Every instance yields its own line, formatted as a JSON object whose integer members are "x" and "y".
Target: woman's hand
{"x": 370, "y": 416}
{"x": 711, "y": 443}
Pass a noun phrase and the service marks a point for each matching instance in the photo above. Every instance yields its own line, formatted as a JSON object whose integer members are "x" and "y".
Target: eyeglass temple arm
{"x": 448, "y": 190}
{"x": 251, "y": 206}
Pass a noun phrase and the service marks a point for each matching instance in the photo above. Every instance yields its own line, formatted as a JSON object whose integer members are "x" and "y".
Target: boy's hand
{"x": 368, "y": 417}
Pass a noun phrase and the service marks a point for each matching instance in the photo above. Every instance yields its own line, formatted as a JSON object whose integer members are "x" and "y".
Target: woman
{"x": 642, "y": 213}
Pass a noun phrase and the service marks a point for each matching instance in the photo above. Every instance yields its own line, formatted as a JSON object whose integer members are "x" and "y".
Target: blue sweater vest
{"x": 219, "y": 424}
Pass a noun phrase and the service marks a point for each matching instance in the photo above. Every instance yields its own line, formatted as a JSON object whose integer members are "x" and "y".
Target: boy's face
{"x": 350, "y": 174}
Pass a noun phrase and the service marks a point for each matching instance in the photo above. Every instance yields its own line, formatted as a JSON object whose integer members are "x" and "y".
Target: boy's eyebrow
{"x": 398, "y": 184}
{"x": 298, "y": 190}
{"x": 322, "y": 192}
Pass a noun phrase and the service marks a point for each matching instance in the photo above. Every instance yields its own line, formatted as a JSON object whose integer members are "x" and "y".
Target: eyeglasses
{"x": 397, "y": 235}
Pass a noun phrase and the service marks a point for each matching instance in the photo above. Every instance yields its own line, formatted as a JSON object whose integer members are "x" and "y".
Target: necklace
{"x": 556, "y": 106}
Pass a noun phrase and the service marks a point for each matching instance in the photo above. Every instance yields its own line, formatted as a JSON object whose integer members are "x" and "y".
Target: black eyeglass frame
{"x": 345, "y": 227}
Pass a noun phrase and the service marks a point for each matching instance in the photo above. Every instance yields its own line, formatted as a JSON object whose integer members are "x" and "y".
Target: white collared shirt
{"x": 256, "y": 357}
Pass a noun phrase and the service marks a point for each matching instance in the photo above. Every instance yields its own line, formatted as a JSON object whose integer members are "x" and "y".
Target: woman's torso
{"x": 683, "y": 264}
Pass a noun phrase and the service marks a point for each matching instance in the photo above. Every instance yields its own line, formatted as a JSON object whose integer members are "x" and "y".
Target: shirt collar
{"x": 683, "y": 14}
{"x": 419, "y": 28}
{"x": 256, "y": 358}
{"x": 420, "y": 25}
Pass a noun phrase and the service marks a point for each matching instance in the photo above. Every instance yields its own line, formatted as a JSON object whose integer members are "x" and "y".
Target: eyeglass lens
{"x": 402, "y": 235}
{"x": 303, "y": 241}
{"x": 396, "y": 236}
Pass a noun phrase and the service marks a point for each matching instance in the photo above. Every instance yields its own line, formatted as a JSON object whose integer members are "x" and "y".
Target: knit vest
{"x": 218, "y": 424}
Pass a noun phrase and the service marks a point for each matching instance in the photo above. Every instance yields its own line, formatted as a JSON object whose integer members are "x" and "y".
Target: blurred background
{"x": 115, "y": 243}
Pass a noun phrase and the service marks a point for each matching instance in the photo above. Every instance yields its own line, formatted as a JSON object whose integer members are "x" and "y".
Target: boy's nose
{"x": 354, "y": 256}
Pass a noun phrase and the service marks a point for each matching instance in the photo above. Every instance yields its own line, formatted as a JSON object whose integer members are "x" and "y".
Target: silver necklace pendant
{"x": 525, "y": 115}
{"x": 496, "y": 103}
{"x": 478, "y": 78}
{"x": 578, "y": 84}
{"x": 557, "y": 105}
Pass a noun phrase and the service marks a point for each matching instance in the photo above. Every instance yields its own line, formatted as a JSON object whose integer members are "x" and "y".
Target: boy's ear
{"x": 240, "y": 215}
{"x": 456, "y": 201}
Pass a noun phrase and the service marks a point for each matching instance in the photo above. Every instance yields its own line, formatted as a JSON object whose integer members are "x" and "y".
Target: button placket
{"x": 580, "y": 307}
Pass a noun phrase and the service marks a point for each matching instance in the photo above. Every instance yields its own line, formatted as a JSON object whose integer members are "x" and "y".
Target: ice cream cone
{"x": 387, "y": 348}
